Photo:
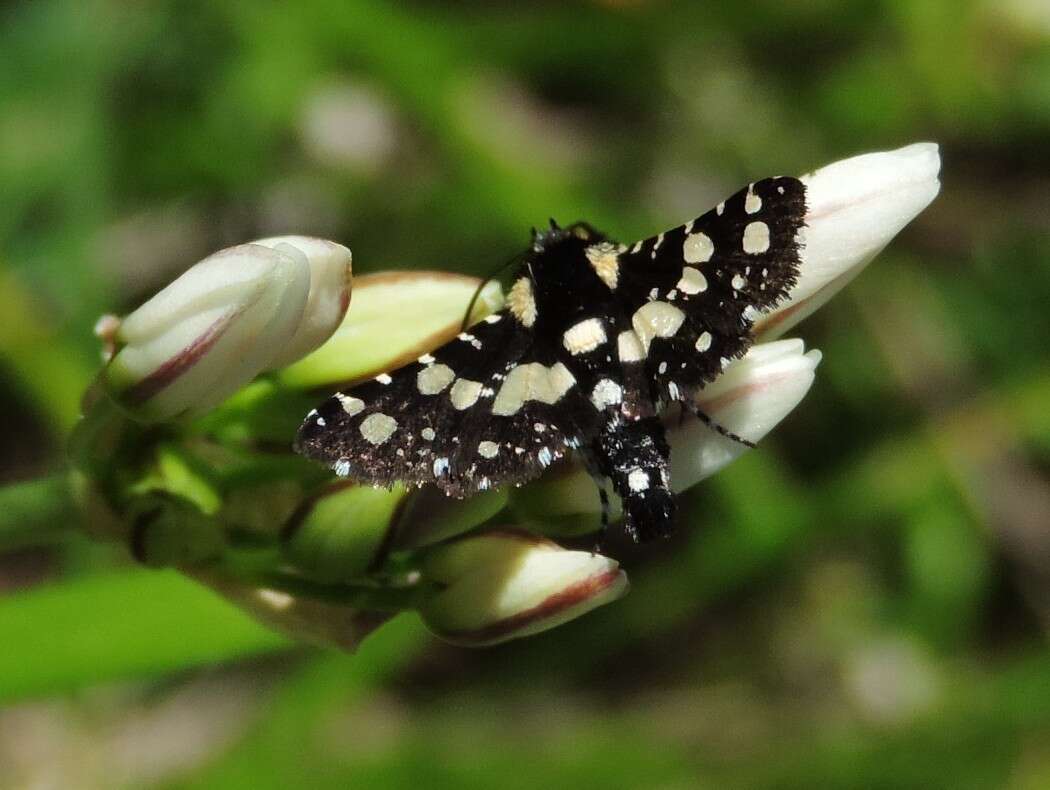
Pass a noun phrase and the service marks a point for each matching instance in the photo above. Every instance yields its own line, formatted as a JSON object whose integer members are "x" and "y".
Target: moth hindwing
{"x": 594, "y": 339}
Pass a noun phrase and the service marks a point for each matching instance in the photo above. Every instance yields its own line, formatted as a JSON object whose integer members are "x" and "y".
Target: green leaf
{"x": 35, "y": 511}
{"x": 131, "y": 624}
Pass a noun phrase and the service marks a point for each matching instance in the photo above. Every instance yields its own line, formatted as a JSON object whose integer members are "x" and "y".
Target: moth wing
{"x": 694, "y": 292}
{"x": 479, "y": 412}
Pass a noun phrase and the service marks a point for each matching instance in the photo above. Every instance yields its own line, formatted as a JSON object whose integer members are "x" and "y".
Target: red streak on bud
{"x": 178, "y": 364}
{"x": 552, "y": 605}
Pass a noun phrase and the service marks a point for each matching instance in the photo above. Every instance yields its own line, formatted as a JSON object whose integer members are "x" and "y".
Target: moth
{"x": 595, "y": 339}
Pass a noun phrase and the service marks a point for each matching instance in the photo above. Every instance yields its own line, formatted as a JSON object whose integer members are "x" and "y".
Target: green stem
{"x": 35, "y": 512}
{"x": 382, "y": 599}
{"x": 261, "y": 571}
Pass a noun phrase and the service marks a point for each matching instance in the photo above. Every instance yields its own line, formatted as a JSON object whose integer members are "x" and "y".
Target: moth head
{"x": 576, "y": 236}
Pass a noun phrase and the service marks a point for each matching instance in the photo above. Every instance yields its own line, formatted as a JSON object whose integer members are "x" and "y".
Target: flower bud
{"x": 753, "y": 394}
{"x": 304, "y": 619}
{"x": 396, "y": 317}
{"x": 430, "y": 516}
{"x": 228, "y": 318}
{"x": 330, "y": 277}
{"x": 169, "y": 531}
{"x": 853, "y": 209}
{"x": 505, "y": 585}
{"x": 341, "y": 532}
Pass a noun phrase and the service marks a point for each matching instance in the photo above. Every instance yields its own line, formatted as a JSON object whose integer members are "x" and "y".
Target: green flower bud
{"x": 343, "y": 531}
{"x": 168, "y": 531}
{"x": 396, "y": 317}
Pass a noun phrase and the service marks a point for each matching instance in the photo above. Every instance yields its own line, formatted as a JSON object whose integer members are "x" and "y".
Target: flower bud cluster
{"x": 327, "y": 560}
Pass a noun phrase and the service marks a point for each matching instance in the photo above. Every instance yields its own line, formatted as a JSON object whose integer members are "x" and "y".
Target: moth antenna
{"x": 554, "y": 225}
{"x": 485, "y": 281}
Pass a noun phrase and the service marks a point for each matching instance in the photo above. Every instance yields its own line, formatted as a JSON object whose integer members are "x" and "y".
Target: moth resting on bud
{"x": 233, "y": 315}
{"x": 599, "y": 338}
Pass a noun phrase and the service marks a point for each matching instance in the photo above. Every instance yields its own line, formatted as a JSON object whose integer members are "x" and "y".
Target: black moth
{"x": 595, "y": 338}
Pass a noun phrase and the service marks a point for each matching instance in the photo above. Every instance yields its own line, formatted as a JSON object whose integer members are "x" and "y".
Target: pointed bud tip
{"x": 854, "y": 208}
{"x": 506, "y": 585}
{"x": 331, "y": 267}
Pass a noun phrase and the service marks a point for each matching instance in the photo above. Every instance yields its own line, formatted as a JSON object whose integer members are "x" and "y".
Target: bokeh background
{"x": 863, "y": 602}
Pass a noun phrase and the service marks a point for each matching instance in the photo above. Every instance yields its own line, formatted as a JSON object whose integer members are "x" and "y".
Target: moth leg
{"x": 714, "y": 426}
{"x": 603, "y": 531}
{"x": 592, "y": 466}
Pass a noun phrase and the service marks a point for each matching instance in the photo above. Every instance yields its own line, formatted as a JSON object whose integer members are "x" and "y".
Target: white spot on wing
{"x": 738, "y": 282}
{"x": 521, "y": 302}
{"x": 384, "y": 378}
{"x": 488, "y": 449}
{"x": 656, "y": 246}
{"x": 466, "y": 337}
{"x": 584, "y": 337}
{"x": 377, "y": 428}
{"x": 428, "y": 434}
{"x": 440, "y": 466}
{"x": 629, "y": 347}
{"x": 692, "y": 282}
{"x": 697, "y": 248}
{"x": 756, "y": 238}
{"x": 342, "y": 467}
{"x": 350, "y": 404}
{"x": 703, "y": 342}
{"x": 604, "y": 259}
{"x": 464, "y": 393}
{"x": 752, "y": 203}
{"x": 532, "y": 381}
{"x": 434, "y": 379}
{"x": 606, "y": 393}
{"x": 656, "y": 319}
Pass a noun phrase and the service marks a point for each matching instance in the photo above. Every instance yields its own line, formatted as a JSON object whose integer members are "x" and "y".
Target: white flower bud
{"x": 853, "y": 209}
{"x": 748, "y": 399}
{"x": 504, "y": 585}
{"x": 330, "y": 275}
{"x": 237, "y": 313}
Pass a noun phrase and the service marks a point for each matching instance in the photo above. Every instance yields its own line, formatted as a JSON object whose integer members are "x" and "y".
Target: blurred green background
{"x": 863, "y": 602}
